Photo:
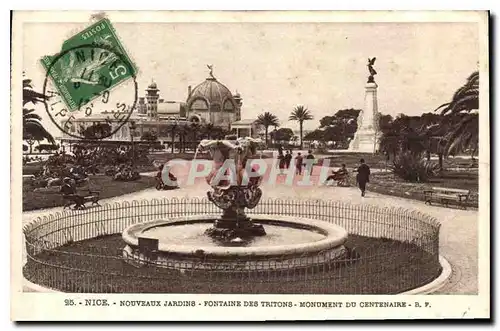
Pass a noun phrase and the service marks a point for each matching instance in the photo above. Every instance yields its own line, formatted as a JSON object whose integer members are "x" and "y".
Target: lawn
{"x": 107, "y": 187}
{"x": 97, "y": 265}
{"x": 351, "y": 160}
{"x": 379, "y": 161}
{"x": 387, "y": 183}
{"x": 33, "y": 168}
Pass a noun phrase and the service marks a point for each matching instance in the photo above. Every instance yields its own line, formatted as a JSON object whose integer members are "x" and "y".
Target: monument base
{"x": 364, "y": 142}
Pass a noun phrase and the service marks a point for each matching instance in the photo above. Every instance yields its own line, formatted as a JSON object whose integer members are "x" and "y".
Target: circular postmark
{"x": 95, "y": 91}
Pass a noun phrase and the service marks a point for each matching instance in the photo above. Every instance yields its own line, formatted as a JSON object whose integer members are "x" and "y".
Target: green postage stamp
{"x": 89, "y": 63}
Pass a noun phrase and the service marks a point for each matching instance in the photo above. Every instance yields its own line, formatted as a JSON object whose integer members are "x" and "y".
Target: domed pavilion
{"x": 212, "y": 102}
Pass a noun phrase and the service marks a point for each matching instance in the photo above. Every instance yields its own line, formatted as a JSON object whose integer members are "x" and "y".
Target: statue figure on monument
{"x": 372, "y": 71}
{"x": 211, "y": 68}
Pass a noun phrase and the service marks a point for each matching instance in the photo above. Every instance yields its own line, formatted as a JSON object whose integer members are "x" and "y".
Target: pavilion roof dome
{"x": 212, "y": 91}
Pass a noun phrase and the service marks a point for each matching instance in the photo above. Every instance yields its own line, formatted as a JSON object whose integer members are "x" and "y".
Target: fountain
{"x": 237, "y": 193}
{"x": 234, "y": 240}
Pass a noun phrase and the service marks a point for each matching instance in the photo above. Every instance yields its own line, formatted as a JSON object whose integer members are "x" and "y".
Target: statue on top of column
{"x": 372, "y": 71}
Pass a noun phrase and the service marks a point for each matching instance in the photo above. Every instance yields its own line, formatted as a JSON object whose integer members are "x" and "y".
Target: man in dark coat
{"x": 363, "y": 176}
{"x": 298, "y": 164}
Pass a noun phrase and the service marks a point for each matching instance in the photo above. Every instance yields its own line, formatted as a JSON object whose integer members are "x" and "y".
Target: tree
{"x": 300, "y": 114}
{"x": 435, "y": 131}
{"x": 96, "y": 131}
{"x": 465, "y": 133}
{"x": 317, "y": 134}
{"x": 33, "y": 130}
{"x": 384, "y": 122}
{"x": 390, "y": 142}
{"x": 173, "y": 131}
{"x": 339, "y": 128}
{"x": 46, "y": 147}
{"x": 182, "y": 132}
{"x": 466, "y": 98}
{"x": 194, "y": 128}
{"x": 282, "y": 135}
{"x": 149, "y": 136}
{"x": 267, "y": 119}
{"x": 402, "y": 134}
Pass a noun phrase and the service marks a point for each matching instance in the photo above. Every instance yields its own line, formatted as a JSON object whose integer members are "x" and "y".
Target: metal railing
{"x": 391, "y": 250}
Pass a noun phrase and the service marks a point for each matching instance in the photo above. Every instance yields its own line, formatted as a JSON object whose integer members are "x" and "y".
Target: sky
{"x": 277, "y": 66}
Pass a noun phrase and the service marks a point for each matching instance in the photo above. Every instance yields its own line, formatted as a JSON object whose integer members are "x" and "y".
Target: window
{"x": 199, "y": 104}
{"x": 228, "y": 105}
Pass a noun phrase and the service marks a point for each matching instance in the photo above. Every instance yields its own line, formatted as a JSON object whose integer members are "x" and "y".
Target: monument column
{"x": 369, "y": 113}
{"x": 365, "y": 139}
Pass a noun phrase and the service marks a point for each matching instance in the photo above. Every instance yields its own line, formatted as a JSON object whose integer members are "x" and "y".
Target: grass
{"x": 96, "y": 266}
{"x": 351, "y": 160}
{"x": 106, "y": 186}
{"x": 379, "y": 161}
{"x": 387, "y": 183}
{"x": 32, "y": 169}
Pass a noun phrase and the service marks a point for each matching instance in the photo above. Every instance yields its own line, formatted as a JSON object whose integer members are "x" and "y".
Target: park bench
{"x": 447, "y": 195}
{"x": 80, "y": 200}
{"x": 342, "y": 181}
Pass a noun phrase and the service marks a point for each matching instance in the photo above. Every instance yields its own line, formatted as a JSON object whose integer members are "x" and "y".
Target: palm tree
{"x": 266, "y": 120}
{"x": 390, "y": 142}
{"x": 32, "y": 126}
{"x": 466, "y": 98}
{"x": 464, "y": 134}
{"x": 300, "y": 114}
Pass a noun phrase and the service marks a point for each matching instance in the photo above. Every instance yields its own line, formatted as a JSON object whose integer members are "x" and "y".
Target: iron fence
{"x": 391, "y": 250}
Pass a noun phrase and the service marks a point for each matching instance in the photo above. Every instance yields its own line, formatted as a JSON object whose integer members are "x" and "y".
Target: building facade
{"x": 210, "y": 102}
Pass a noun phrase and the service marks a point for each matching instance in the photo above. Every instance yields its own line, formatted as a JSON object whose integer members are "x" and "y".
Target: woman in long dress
{"x": 281, "y": 162}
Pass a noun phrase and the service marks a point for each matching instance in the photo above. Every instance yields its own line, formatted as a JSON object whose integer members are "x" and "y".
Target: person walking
{"x": 288, "y": 159}
{"x": 309, "y": 164}
{"x": 298, "y": 164}
{"x": 310, "y": 155}
{"x": 281, "y": 162}
{"x": 363, "y": 176}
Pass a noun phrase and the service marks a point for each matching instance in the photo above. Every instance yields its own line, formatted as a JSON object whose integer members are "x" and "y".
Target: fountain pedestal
{"x": 234, "y": 223}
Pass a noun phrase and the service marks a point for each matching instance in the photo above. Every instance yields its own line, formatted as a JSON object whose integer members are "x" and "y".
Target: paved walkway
{"x": 459, "y": 228}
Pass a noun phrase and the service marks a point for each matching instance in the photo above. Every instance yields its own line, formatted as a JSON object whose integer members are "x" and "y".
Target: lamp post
{"x": 132, "y": 128}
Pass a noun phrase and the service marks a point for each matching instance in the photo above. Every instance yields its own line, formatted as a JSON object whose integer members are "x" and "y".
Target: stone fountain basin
{"x": 330, "y": 247}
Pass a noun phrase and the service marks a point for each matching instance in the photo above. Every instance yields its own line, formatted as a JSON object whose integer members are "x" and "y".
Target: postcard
{"x": 250, "y": 166}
